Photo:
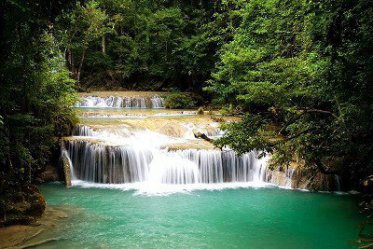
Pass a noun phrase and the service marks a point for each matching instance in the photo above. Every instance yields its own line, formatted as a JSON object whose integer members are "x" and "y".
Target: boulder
{"x": 313, "y": 179}
{"x": 21, "y": 206}
{"x": 50, "y": 174}
{"x": 199, "y": 134}
{"x": 173, "y": 130}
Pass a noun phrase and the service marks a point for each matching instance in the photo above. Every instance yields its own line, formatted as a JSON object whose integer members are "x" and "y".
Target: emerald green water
{"x": 267, "y": 218}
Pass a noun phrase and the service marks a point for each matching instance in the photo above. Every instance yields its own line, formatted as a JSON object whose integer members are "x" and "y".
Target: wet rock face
{"x": 66, "y": 170}
{"x": 21, "y": 206}
{"x": 312, "y": 179}
{"x": 50, "y": 174}
{"x": 366, "y": 186}
{"x": 173, "y": 130}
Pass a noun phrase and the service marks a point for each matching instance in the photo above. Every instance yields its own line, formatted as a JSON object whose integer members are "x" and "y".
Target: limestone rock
{"x": 66, "y": 170}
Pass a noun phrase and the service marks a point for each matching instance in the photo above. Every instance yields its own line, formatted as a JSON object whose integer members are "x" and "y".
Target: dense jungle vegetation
{"x": 300, "y": 72}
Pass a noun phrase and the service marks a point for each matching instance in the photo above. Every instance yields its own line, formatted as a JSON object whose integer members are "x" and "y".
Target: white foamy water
{"x": 151, "y": 188}
{"x": 117, "y": 156}
{"x": 212, "y": 131}
{"x": 121, "y": 102}
{"x": 135, "y": 161}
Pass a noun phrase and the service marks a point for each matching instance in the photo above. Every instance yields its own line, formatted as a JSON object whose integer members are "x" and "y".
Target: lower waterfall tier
{"x": 100, "y": 163}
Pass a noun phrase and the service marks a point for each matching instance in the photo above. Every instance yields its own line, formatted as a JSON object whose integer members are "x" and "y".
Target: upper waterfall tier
{"x": 121, "y": 102}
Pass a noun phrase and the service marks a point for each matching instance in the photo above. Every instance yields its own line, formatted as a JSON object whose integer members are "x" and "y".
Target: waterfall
{"x": 117, "y": 102}
{"x": 280, "y": 176}
{"x": 122, "y": 153}
{"x": 108, "y": 164}
{"x": 137, "y": 103}
{"x": 83, "y": 130}
{"x": 121, "y": 102}
{"x": 100, "y": 163}
{"x": 225, "y": 166}
{"x": 337, "y": 182}
{"x": 171, "y": 168}
{"x": 65, "y": 158}
{"x": 157, "y": 102}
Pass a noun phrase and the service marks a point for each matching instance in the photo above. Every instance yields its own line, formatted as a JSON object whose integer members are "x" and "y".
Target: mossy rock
{"x": 200, "y": 111}
{"x": 22, "y": 206}
{"x": 314, "y": 180}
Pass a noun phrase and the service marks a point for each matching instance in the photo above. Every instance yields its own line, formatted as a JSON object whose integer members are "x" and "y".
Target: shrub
{"x": 179, "y": 101}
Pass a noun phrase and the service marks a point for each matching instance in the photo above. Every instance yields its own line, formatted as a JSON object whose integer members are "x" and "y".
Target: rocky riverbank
{"x": 39, "y": 232}
{"x": 22, "y": 205}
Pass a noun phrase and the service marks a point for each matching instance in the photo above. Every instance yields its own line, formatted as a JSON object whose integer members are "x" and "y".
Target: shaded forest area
{"x": 145, "y": 44}
{"x": 300, "y": 73}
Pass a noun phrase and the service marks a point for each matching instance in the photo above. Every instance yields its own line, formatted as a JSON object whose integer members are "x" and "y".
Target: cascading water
{"x": 337, "y": 181}
{"x": 121, "y": 102}
{"x": 65, "y": 158}
{"x": 157, "y": 102}
{"x": 282, "y": 177}
{"x": 82, "y": 130}
{"x": 122, "y": 164}
{"x": 123, "y": 154}
{"x": 108, "y": 164}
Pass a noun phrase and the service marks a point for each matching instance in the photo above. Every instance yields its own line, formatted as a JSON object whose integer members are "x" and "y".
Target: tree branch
{"x": 324, "y": 169}
{"x": 307, "y": 110}
{"x": 292, "y": 137}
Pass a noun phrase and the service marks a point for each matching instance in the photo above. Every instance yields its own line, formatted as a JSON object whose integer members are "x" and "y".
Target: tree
{"x": 146, "y": 44}
{"x": 293, "y": 70}
{"x": 86, "y": 24}
{"x": 36, "y": 95}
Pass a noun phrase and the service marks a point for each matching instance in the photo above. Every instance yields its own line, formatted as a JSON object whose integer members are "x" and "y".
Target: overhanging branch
{"x": 324, "y": 169}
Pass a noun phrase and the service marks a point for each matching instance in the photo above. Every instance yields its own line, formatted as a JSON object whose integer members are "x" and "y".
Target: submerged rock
{"x": 47, "y": 228}
{"x": 173, "y": 130}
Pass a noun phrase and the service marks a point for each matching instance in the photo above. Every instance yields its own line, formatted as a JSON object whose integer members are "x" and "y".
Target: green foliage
{"x": 36, "y": 92}
{"x": 85, "y": 24}
{"x": 148, "y": 44}
{"x": 302, "y": 73}
{"x": 179, "y": 101}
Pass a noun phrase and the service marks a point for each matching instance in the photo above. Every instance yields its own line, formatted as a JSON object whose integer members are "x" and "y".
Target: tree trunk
{"x": 81, "y": 65}
{"x": 103, "y": 44}
{"x": 72, "y": 63}
{"x": 69, "y": 58}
